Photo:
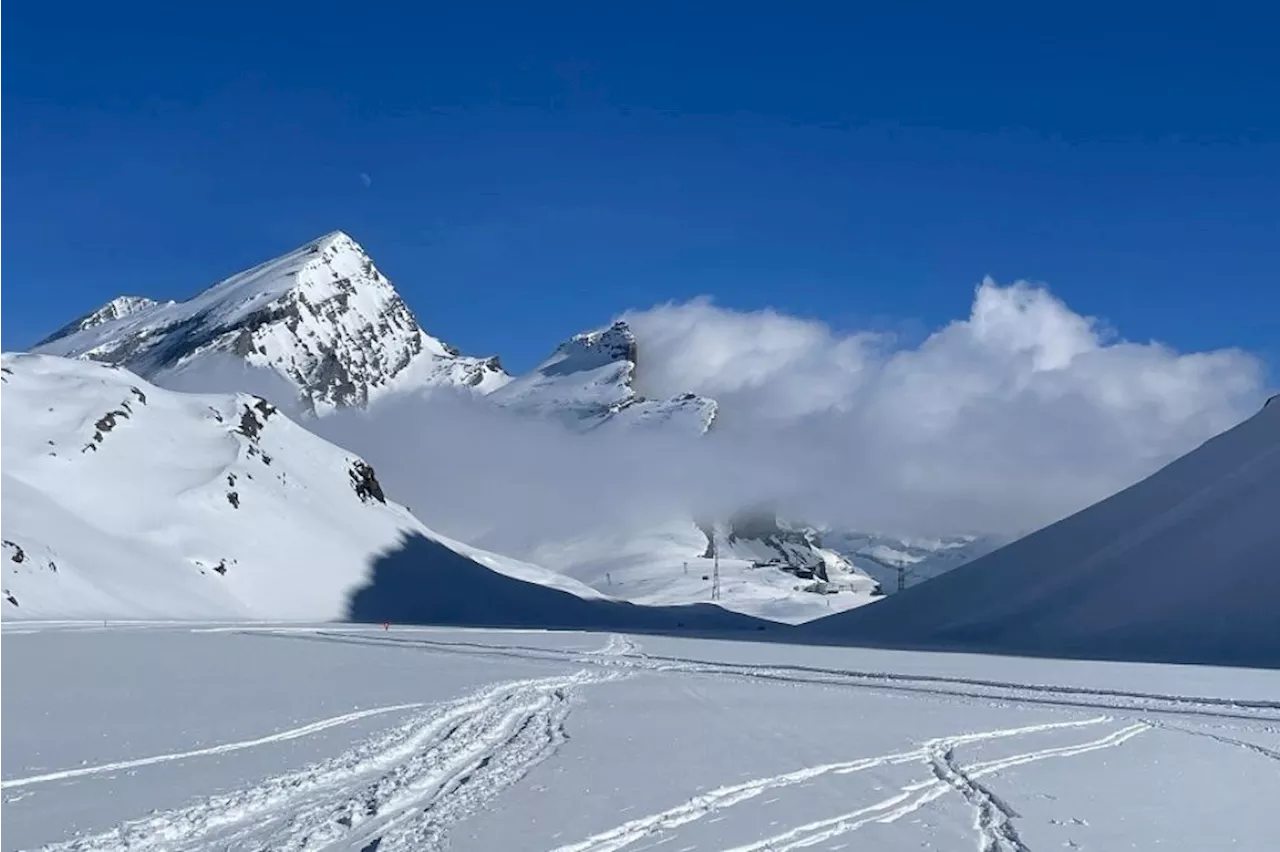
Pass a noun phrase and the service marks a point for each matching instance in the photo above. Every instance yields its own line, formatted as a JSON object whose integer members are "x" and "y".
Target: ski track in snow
{"x": 224, "y": 748}
{"x": 401, "y": 790}
{"x": 992, "y": 818}
{"x": 992, "y": 815}
{"x": 1273, "y": 754}
{"x": 934, "y": 685}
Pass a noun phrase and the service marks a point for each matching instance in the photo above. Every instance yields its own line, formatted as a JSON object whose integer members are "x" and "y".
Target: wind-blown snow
{"x": 1181, "y": 567}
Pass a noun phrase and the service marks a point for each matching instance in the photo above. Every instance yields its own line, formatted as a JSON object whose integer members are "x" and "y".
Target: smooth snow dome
{"x": 1181, "y": 567}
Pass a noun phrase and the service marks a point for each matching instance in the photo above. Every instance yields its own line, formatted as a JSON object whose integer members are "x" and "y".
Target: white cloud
{"x": 758, "y": 365}
{"x": 1000, "y": 422}
{"x": 1003, "y": 421}
{"x": 366, "y": 180}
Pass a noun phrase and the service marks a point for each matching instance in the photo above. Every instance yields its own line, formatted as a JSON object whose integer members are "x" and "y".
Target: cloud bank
{"x": 1003, "y": 421}
{"x": 1000, "y": 422}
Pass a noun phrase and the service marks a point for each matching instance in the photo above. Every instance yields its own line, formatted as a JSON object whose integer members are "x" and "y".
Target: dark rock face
{"x": 793, "y": 546}
{"x": 365, "y": 482}
{"x": 107, "y": 422}
{"x": 254, "y": 417}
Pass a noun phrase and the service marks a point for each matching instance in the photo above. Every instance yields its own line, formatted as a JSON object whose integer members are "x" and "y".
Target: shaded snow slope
{"x": 1182, "y": 567}
{"x": 322, "y": 316}
{"x": 124, "y": 500}
{"x": 424, "y": 582}
{"x": 589, "y": 380}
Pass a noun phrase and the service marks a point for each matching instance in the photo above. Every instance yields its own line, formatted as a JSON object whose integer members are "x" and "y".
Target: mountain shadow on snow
{"x": 423, "y": 582}
{"x": 1183, "y": 567}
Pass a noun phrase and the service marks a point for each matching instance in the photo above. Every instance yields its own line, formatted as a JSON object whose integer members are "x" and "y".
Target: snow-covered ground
{"x": 664, "y": 564}
{"x": 124, "y": 500}
{"x": 181, "y": 737}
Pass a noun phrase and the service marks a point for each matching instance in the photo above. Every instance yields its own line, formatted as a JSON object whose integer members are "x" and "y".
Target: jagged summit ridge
{"x": 615, "y": 344}
{"x": 590, "y": 380}
{"x": 323, "y": 316}
{"x": 117, "y": 308}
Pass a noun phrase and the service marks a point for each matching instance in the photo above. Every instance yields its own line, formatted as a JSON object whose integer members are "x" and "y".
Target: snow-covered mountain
{"x": 916, "y": 559}
{"x": 590, "y": 380}
{"x": 322, "y": 316}
{"x": 330, "y": 324}
{"x": 124, "y": 500}
{"x": 770, "y": 573}
{"x": 1182, "y": 567}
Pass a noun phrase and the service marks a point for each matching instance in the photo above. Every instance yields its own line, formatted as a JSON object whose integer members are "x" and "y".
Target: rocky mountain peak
{"x": 590, "y": 380}
{"x": 595, "y": 348}
{"x": 117, "y": 308}
{"x": 322, "y": 316}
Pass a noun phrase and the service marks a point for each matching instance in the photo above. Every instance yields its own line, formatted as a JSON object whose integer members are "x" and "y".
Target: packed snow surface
{"x": 1181, "y": 567}
{"x": 275, "y": 737}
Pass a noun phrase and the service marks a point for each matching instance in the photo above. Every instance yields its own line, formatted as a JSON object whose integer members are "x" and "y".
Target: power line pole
{"x": 715, "y": 569}
{"x": 902, "y": 577}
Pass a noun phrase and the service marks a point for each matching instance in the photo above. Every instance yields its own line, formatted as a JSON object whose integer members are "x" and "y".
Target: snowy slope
{"x": 885, "y": 556}
{"x": 672, "y": 563}
{"x": 1182, "y": 567}
{"x": 199, "y": 738}
{"x": 590, "y": 380}
{"x": 321, "y": 316}
{"x": 121, "y": 499}
{"x": 332, "y": 326}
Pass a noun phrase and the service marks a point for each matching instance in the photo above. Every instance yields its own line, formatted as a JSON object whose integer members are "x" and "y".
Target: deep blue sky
{"x": 867, "y": 168}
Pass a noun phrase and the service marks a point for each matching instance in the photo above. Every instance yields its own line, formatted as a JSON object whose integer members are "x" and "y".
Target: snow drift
{"x": 1182, "y": 567}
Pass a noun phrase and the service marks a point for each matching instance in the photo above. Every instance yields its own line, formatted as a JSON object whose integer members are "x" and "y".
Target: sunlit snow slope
{"x": 121, "y": 499}
{"x": 671, "y": 563}
{"x": 590, "y": 380}
{"x": 325, "y": 320}
{"x": 322, "y": 316}
{"x": 1181, "y": 567}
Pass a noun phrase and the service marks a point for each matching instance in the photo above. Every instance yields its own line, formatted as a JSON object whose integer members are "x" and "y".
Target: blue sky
{"x": 523, "y": 184}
